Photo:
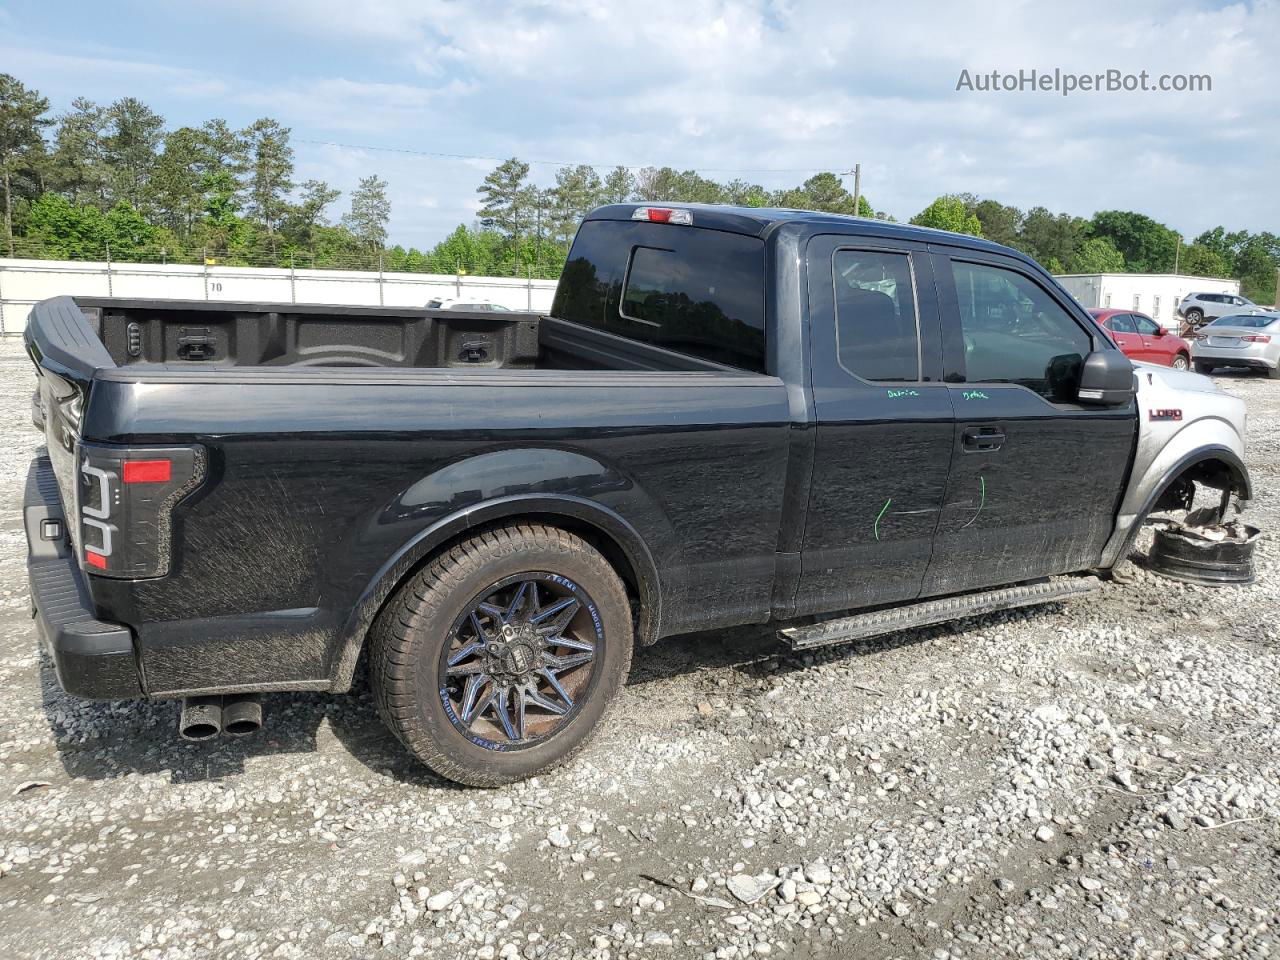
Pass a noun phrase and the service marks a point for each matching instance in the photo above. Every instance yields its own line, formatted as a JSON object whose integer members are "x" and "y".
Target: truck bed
{"x": 178, "y": 335}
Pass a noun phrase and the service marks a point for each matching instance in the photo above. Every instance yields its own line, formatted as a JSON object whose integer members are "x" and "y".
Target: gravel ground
{"x": 1097, "y": 779}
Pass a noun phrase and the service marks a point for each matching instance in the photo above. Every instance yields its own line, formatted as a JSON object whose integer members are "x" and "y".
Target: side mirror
{"x": 1106, "y": 379}
{"x": 1162, "y": 331}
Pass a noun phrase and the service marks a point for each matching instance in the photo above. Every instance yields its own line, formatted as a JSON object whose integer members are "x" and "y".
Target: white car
{"x": 453, "y": 303}
{"x": 1199, "y": 308}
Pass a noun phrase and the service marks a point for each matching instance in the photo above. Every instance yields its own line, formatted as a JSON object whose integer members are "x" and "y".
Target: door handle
{"x": 981, "y": 439}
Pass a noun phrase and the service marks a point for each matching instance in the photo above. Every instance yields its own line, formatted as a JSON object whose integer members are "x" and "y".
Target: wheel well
{"x": 1180, "y": 492}
{"x": 608, "y": 547}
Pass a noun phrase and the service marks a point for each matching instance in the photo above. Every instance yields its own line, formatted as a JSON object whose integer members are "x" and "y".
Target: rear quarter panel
{"x": 320, "y": 489}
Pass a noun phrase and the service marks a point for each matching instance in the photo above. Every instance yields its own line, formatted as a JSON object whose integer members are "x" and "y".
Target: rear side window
{"x": 877, "y": 337}
{"x": 698, "y": 292}
{"x": 1014, "y": 332}
{"x": 1123, "y": 323}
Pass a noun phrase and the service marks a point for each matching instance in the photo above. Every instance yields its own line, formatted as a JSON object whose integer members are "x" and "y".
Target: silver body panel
{"x": 1208, "y": 418}
{"x": 1225, "y": 344}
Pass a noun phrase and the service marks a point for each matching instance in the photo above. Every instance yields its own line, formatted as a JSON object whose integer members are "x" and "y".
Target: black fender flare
{"x": 1240, "y": 483}
{"x": 546, "y": 507}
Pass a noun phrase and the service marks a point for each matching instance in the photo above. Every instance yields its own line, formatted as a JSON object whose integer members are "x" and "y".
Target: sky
{"x": 771, "y": 91}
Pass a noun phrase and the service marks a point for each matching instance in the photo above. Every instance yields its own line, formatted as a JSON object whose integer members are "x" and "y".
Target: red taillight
{"x": 1256, "y": 338}
{"x": 95, "y": 559}
{"x": 147, "y": 471}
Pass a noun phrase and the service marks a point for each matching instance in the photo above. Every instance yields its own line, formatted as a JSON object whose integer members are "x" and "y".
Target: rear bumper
{"x": 93, "y": 659}
{"x": 1257, "y": 357}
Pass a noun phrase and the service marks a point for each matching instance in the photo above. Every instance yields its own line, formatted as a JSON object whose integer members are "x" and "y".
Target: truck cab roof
{"x": 762, "y": 221}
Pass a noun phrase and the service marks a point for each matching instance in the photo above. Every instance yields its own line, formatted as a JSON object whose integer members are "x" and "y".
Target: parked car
{"x": 734, "y": 416}
{"x": 1141, "y": 338}
{"x": 1250, "y": 340}
{"x": 454, "y": 303}
{"x": 1197, "y": 308}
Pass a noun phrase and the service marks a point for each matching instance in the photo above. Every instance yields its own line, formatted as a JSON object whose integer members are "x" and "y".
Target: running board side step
{"x": 877, "y": 622}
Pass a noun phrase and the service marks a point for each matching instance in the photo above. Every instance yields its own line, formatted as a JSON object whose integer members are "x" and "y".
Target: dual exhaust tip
{"x": 204, "y": 718}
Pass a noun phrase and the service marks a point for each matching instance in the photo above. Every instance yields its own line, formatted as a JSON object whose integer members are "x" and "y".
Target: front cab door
{"x": 1036, "y": 477}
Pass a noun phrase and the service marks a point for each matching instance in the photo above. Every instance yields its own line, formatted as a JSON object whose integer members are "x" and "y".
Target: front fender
{"x": 508, "y": 484}
{"x": 1184, "y": 421}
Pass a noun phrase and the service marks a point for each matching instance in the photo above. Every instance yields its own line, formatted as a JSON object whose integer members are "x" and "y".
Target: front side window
{"x": 1014, "y": 332}
{"x": 1146, "y": 326}
{"x": 877, "y": 337}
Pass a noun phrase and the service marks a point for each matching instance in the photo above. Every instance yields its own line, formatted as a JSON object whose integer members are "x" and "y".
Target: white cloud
{"x": 764, "y": 84}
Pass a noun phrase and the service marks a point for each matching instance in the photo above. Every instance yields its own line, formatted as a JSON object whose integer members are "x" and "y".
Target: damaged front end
{"x": 1204, "y": 547}
{"x": 1210, "y": 545}
{"x": 1188, "y": 481}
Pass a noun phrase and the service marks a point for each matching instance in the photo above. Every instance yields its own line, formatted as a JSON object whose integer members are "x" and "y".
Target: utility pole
{"x": 856, "y": 173}
{"x": 1176, "y": 251}
{"x": 1277, "y": 303}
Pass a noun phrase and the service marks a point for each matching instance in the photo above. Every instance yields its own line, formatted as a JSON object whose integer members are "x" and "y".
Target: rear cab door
{"x": 884, "y": 422}
{"x": 1036, "y": 477}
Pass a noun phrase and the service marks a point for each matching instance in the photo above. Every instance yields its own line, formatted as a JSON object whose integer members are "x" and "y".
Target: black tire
{"x": 1273, "y": 373}
{"x": 1195, "y": 317}
{"x": 1202, "y": 367}
{"x": 420, "y": 622}
{"x": 1181, "y": 361}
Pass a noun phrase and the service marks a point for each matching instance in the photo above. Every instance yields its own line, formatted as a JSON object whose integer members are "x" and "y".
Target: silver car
{"x": 1251, "y": 340}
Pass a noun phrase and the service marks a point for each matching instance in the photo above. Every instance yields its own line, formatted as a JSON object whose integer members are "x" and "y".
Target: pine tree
{"x": 22, "y": 121}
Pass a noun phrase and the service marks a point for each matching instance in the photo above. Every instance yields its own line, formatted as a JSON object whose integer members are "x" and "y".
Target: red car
{"x": 1141, "y": 338}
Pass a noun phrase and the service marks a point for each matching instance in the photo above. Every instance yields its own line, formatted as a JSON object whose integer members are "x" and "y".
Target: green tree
{"x": 822, "y": 191}
{"x": 665, "y": 184}
{"x": 370, "y": 213}
{"x": 949, "y": 213}
{"x": 1255, "y": 266}
{"x": 578, "y": 190}
{"x": 304, "y": 217}
{"x": 130, "y": 149}
{"x": 22, "y": 123}
{"x": 1052, "y": 239}
{"x": 1097, "y": 255}
{"x": 61, "y": 230}
{"x": 1202, "y": 261}
{"x": 1148, "y": 246}
{"x": 79, "y": 163}
{"x": 618, "y": 186}
{"x": 507, "y": 202}
{"x": 1000, "y": 223}
{"x": 744, "y": 194}
{"x": 177, "y": 182}
{"x": 270, "y": 168}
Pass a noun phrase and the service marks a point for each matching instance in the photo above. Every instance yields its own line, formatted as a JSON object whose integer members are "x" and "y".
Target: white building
{"x": 1155, "y": 294}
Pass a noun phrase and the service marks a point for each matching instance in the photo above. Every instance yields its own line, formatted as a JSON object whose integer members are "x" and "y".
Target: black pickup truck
{"x": 731, "y": 416}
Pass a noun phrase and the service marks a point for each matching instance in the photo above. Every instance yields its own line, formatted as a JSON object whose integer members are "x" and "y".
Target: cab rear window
{"x": 695, "y": 291}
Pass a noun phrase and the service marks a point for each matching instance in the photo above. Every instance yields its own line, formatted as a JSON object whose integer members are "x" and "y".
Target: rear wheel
{"x": 1181, "y": 362}
{"x": 500, "y": 658}
{"x": 1273, "y": 373}
{"x": 1195, "y": 317}
{"x": 1202, "y": 367}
